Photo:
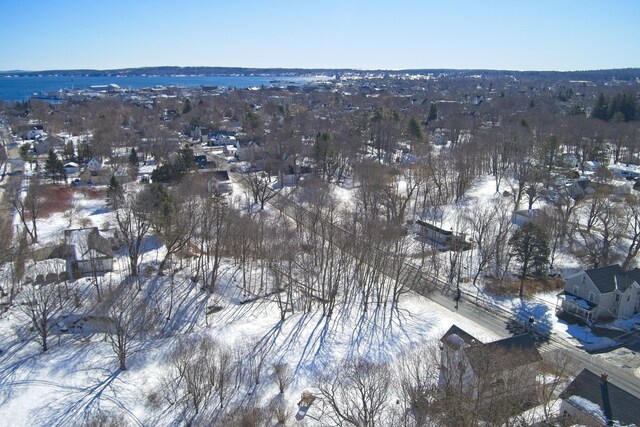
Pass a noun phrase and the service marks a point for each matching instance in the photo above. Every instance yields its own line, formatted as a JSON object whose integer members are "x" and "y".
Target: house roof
{"x": 501, "y": 355}
{"x": 455, "y": 334}
{"x": 624, "y": 405}
{"x": 85, "y": 243}
{"x": 434, "y": 228}
{"x": 608, "y": 279}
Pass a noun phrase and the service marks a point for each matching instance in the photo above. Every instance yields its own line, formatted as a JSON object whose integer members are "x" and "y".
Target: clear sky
{"x": 373, "y": 34}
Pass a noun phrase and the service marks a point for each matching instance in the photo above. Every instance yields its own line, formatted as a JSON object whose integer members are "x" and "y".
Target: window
{"x": 584, "y": 278}
{"x": 628, "y": 297}
{"x": 592, "y": 296}
{"x": 576, "y": 289}
{"x": 617, "y": 297}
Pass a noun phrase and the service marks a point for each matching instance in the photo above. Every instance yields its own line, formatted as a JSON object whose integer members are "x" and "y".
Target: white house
{"x": 35, "y": 132}
{"x": 71, "y": 168}
{"x": 94, "y": 165}
{"x": 489, "y": 371}
{"x": 601, "y": 293}
{"x": 88, "y": 251}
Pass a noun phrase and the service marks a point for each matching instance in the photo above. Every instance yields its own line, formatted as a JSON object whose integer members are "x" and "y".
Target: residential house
{"x": 42, "y": 145}
{"x": 35, "y": 131}
{"x": 88, "y": 252}
{"x": 444, "y": 238}
{"x": 591, "y": 400}
{"x": 581, "y": 188}
{"x": 223, "y": 139}
{"x": 218, "y": 181}
{"x": 489, "y": 372}
{"x": 602, "y": 293}
{"x": 71, "y": 168}
{"x": 94, "y": 173}
{"x": 94, "y": 166}
{"x": 521, "y": 217}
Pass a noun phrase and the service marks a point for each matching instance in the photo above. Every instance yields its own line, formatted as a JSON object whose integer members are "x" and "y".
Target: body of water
{"x": 21, "y": 88}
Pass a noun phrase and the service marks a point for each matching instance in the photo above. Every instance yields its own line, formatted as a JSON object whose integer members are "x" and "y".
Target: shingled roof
{"x": 623, "y": 405}
{"x": 508, "y": 353}
{"x": 607, "y": 279}
{"x": 455, "y": 334}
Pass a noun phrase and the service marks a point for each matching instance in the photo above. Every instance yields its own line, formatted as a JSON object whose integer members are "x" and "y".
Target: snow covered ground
{"x": 78, "y": 376}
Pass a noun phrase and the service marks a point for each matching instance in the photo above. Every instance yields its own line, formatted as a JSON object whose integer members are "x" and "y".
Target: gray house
{"x": 591, "y": 400}
{"x": 491, "y": 371}
{"x": 601, "y": 293}
{"x": 88, "y": 251}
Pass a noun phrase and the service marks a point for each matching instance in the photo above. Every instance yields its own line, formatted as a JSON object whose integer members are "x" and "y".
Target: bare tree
{"x": 284, "y": 376}
{"x": 40, "y": 303}
{"x": 128, "y": 318}
{"x": 28, "y": 207}
{"x": 199, "y": 371}
{"x": 631, "y": 213}
{"x": 357, "y": 394}
{"x": 418, "y": 375}
{"x": 259, "y": 185}
{"x": 133, "y": 219}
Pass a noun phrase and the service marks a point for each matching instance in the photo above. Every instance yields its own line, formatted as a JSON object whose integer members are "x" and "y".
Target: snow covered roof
{"x": 592, "y": 409}
{"x": 579, "y": 301}
{"x": 586, "y": 392}
{"x": 456, "y": 337}
{"x": 87, "y": 243}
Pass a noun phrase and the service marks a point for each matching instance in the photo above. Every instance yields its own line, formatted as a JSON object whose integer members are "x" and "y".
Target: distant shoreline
{"x": 171, "y": 71}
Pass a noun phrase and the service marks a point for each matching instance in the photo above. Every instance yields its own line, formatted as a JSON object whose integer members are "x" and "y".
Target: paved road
{"x": 14, "y": 170}
{"x": 495, "y": 319}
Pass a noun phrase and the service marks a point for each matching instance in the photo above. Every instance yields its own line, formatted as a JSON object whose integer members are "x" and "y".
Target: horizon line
{"x": 317, "y": 69}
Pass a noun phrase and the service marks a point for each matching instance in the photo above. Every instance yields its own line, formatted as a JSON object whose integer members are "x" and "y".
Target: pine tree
{"x": 133, "y": 157}
{"x": 186, "y": 107}
{"x": 115, "y": 193}
{"x": 54, "y": 167}
{"x": 433, "y": 113}
{"x": 415, "y": 130}
{"x": 601, "y": 109}
{"x": 530, "y": 247}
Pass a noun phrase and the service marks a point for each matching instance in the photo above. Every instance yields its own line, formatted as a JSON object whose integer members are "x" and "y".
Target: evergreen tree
{"x": 530, "y": 247}
{"x": 69, "y": 153}
{"x": 433, "y": 112}
{"x": 54, "y": 167}
{"x": 115, "y": 193}
{"x": 601, "y": 109}
{"x": 415, "y": 130}
{"x": 186, "y": 107}
{"x": 133, "y": 157}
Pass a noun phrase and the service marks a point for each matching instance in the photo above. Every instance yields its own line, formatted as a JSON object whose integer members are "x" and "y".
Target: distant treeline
{"x": 625, "y": 74}
{"x": 621, "y": 108}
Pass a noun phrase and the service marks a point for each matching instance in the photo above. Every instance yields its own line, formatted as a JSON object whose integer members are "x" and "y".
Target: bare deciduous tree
{"x": 40, "y": 303}
{"x": 357, "y": 393}
{"x": 128, "y": 318}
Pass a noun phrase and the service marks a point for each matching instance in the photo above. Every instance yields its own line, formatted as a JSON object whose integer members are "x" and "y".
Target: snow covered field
{"x": 78, "y": 380}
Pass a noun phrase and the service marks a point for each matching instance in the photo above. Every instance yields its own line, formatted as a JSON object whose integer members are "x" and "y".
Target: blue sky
{"x": 395, "y": 34}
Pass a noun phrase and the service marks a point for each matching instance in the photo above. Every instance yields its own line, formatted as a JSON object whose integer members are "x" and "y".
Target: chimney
{"x": 606, "y": 404}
